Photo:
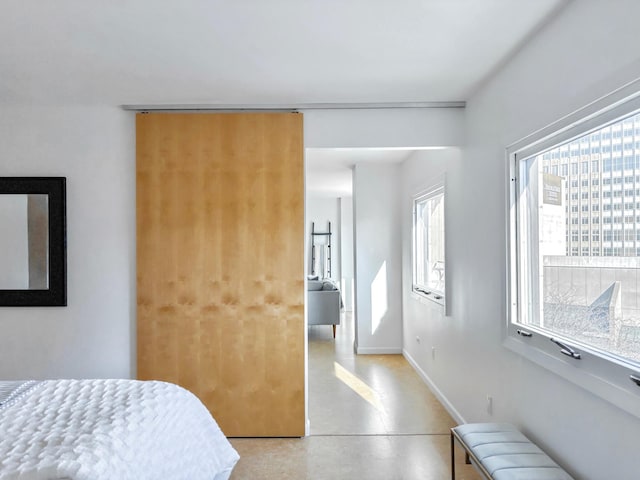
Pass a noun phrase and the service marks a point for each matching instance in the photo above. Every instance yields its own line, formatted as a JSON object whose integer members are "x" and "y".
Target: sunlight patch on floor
{"x": 358, "y": 386}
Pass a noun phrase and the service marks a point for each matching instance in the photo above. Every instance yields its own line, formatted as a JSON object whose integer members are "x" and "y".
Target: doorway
{"x": 329, "y": 201}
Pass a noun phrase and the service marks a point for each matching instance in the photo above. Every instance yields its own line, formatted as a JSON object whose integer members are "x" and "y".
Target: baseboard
{"x": 378, "y": 350}
{"x": 434, "y": 389}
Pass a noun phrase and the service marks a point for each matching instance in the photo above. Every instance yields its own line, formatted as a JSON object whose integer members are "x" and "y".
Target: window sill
{"x": 626, "y": 399}
{"x": 428, "y": 298}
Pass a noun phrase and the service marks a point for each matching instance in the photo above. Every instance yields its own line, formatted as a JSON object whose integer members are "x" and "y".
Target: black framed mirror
{"x": 33, "y": 244}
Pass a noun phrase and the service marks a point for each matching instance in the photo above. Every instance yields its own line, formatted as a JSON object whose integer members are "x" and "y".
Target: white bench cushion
{"x": 507, "y": 454}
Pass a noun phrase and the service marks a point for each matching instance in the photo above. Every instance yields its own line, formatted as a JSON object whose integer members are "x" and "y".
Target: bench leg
{"x": 334, "y": 331}
{"x": 453, "y": 460}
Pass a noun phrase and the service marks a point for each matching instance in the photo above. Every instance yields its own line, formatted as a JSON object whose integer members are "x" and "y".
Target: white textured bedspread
{"x": 110, "y": 430}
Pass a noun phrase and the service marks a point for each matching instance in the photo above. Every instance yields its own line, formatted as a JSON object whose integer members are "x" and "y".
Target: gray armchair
{"x": 323, "y": 308}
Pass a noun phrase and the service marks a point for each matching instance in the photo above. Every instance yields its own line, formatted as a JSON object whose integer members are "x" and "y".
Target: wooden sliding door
{"x": 220, "y": 232}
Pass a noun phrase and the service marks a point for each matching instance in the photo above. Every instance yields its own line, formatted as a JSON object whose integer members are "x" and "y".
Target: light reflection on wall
{"x": 379, "y": 300}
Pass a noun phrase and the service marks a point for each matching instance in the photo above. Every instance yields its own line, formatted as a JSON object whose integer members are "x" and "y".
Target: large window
{"x": 571, "y": 303}
{"x": 428, "y": 245}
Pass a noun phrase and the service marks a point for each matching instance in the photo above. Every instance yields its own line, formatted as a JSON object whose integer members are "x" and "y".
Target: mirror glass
{"x": 24, "y": 243}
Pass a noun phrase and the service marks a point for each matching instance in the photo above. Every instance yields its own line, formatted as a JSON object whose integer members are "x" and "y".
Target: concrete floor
{"x": 371, "y": 417}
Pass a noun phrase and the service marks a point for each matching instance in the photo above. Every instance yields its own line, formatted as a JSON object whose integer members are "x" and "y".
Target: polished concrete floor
{"x": 371, "y": 417}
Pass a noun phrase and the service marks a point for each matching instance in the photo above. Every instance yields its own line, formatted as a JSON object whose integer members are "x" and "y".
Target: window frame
{"x": 424, "y": 291}
{"x": 603, "y": 375}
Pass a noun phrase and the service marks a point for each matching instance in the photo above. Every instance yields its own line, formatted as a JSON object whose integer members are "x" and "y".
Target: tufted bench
{"x": 501, "y": 452}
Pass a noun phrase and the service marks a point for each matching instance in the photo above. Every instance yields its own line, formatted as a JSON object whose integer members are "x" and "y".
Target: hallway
{"x": 371, "y": 417}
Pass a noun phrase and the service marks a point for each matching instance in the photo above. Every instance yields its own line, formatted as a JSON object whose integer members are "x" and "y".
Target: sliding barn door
{"x": 220, "y": 236}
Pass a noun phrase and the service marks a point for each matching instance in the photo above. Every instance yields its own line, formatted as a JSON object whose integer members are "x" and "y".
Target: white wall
{"x": 427, "y": 338}
{"x": 346, "y": 251}
{"x": 586, "y": 52}
{"x": 321, "y": 210}
{"x": 378, "y": 253}
{"x": 94, "y": 147}
{"x": 384, "y": 128}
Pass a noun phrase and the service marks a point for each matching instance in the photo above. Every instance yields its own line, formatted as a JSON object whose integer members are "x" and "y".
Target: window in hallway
{"x": 428, "y": 245}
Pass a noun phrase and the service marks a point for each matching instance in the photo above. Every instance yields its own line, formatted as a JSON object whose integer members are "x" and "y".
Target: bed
{"x": 108, "y": 429}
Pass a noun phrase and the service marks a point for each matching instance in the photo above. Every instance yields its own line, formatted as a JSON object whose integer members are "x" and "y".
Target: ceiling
{"x": 256, "y": 51}
{"x": 260, "y": 52}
